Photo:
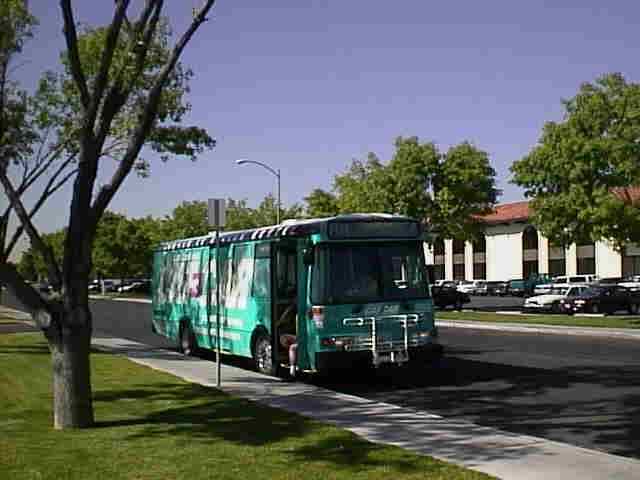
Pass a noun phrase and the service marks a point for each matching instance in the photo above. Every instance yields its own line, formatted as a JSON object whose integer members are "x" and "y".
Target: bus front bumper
{"x": 346, "y": 360}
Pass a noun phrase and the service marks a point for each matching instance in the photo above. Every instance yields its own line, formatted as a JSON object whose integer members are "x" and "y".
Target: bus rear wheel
{"x": 262, "y": 355}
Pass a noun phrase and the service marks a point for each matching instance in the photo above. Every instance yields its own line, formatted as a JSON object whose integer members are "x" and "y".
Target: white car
{"x": 466, "y": 286}
{"x": 632, "y": 283}
{"x": 564, "y": 281}
{"x": 551, "y": 301}
{"x": 472, "y": 287}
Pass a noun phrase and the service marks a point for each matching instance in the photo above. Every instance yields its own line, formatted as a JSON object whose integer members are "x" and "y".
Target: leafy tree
{"x": 265, "y": 213}
{"x": 365, "y": 187}
{"x": 579, "y": 173}
{"x": 27, "y": 266}
{"x": 239, "y": 215}
{"x": 33, "y": 263}
{"x": 189, "y": 219}
{"x": 122, "y": 88}
{"x": 446, "y": 190}
{"x": 321, "y": 204}
{"x": 123, "y": 247}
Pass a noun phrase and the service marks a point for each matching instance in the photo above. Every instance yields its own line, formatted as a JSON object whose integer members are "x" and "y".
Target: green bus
{"x": 358, "y": 282}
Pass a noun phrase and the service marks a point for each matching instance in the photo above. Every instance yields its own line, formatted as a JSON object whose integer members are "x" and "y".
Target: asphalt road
{"x": 579, "y": 390}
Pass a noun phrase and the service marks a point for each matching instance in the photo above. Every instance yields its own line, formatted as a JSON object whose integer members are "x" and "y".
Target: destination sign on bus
{"x": 351, "y": 230}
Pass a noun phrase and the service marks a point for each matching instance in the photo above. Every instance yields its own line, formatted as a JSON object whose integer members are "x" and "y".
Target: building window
{"x": 557, "y": 261}
{"x": 438, "y": 259}
{"x": 529, "y": 252}
{"x": 586, "y": 259}
{"x": 480, "y": 259}
{"x": 631, "y": 260}
{"x": 458, "y": 260}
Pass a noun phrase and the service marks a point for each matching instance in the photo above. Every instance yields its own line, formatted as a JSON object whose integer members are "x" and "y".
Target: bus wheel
{"x": 262, "y": 356}
{"x": 187, "y": 340}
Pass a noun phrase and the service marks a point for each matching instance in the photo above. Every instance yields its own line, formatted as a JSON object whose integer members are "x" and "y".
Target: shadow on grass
{"x": 202, "y": 413}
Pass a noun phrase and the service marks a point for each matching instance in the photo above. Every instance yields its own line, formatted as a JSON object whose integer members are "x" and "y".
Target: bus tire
{"x": 187, "y": 341}
{"x": 262, "y": 354}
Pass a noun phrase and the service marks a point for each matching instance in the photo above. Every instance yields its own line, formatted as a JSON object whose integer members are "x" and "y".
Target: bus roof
{"x": 299, "y": 228}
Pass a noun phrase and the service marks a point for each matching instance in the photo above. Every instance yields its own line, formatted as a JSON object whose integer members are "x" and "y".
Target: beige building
{"x": 512, "y": 248}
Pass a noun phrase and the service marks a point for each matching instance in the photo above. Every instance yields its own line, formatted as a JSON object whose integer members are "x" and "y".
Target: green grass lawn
{"x": 154, "y": 426}
{"x": 564, "y": 320}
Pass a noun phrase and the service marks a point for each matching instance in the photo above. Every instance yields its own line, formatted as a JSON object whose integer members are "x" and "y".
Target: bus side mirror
{"x": 307, "y": 256}
{"x": 430, "y": 274}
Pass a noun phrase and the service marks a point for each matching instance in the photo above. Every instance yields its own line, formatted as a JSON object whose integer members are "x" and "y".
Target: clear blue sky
{"x": 306, "y": 86}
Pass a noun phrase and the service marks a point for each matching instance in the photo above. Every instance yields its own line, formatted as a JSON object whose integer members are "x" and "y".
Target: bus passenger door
{"x": 284, "y": 295}
{"x": 302, "y": 273}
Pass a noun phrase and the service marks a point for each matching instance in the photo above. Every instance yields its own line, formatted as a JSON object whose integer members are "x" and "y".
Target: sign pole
{"x": 216, "y": 216}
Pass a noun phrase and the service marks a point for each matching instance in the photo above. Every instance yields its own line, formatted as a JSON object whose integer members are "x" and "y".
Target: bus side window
{"x": 286, "y": 274}
{"x": 261, "y": 287}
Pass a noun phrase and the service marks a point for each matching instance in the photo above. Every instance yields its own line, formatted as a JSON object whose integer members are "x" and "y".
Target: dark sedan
{"x": 444, "y": 296}
{"x": 602, "y": 299}
{"x": 497, "y": 288}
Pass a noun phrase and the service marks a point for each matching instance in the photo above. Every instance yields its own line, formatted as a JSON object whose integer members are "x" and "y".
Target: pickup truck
{"x": 526, "y": 287}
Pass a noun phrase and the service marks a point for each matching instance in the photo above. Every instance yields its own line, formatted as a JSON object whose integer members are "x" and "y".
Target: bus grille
{"x": 383, "y": 337}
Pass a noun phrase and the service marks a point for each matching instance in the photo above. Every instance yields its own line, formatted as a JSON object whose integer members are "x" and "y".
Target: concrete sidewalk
{"x": 505, "y": 455}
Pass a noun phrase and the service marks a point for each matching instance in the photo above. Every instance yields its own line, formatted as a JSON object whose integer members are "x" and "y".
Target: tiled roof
{"x": 519, "y": 211}
{"x": 507, "y": 212}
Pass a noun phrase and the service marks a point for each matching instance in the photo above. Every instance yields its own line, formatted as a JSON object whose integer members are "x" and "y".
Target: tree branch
{"x": 107, "y": 57}
{"x": 34, "y": 236}
{"x": 147, "y": 118}
{"x": 116, "y": 97}
{"x": 49, "y": 190}
{"x": 34, "y": 176}
{"x": 24, "y": 292}
{"x": 71, "y": 38}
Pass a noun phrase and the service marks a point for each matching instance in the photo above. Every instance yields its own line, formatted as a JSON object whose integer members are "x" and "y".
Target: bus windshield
{"x": 362, "y": 273}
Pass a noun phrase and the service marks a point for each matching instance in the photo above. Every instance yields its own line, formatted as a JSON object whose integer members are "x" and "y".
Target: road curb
{"x": 548, "y": 329}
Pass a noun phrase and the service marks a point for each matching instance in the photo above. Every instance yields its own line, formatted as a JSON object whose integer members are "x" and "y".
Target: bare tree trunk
{"x": 70, "y": 341}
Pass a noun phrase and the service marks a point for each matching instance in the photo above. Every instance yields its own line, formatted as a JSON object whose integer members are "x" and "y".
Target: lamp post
{"x": 243, "y": 161}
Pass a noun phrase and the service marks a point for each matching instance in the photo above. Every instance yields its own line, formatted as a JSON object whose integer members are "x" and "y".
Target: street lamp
{"x": 242, "y": 161}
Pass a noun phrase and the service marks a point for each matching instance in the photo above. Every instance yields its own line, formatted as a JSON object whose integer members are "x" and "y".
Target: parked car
{"x": 517, "y": 287}
{"x": 141, "y": 286}
{"x": 632, "y": 283}
{"x": 603, "y": 299}
{"x": 444, "y": 296}
{"x": 550, "y": 302}
{"x": 109, "y": 286}
{"x": 610, "y": 281}
{"x": 447, "y": 283}
{"x": 563, "y": 281}
{"x": 481, "y": 287}
{"x": 466, "y": 286}
{"x": 497, "y": 288}
{"x": 43, "y": 287}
